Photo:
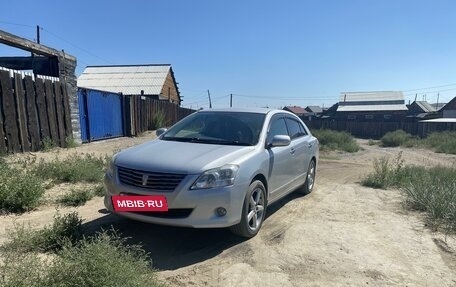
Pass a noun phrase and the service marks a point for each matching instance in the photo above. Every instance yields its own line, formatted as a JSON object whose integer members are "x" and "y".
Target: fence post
{"x": 32, "y": 115}
{"x": 10, "y": 113}
{"x": 21, "y": 113}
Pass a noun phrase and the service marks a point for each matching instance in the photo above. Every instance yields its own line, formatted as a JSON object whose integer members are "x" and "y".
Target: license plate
{"x": 139, "y": 203}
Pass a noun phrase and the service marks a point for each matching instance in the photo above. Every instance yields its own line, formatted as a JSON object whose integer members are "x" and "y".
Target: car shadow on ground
{"x": 174, "y": 247}
{"x": 169, "y": 247}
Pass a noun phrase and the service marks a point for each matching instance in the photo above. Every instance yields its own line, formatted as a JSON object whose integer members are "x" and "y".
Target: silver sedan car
{"x": 214, "y": 168}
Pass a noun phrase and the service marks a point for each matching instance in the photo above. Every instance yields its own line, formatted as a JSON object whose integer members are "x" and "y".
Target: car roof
{"x": 241, "y": 110}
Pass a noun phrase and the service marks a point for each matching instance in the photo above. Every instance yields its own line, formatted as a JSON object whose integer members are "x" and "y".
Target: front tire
{"x": 253, "y": 211}
{"x": 308, "y": 186}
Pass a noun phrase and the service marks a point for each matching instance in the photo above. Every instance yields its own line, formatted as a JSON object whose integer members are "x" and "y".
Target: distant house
{"x": 154, "y": 81}
{"x": 449, "y": 110}
{"x": 299, "y": 111}
{"x": 421, "y": 110}
{"x": 316, "y": 110}
{"x": 371, "y": 106}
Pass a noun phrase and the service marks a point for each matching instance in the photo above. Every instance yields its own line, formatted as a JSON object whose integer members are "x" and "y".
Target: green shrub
{"x": 70, "y": 142}
{"x": 443, "y": 142}
{"x": 47, "y": 144}
{"x": 77, "y": 197}
{"x": 64, "y": 229}
{"x": 103, "y": 260}
{"x": 381, "y": 177}
{"x": 435, "y": 193}
{"x": 75, "y": 168}
{"x": 19, "y": 192}
{"x": 22, "y": 270}
{"x": 432, "y": 190}
{"x": 386, "y": 173}
{"x": 158, "y": 120}
{"x": 335, "y": 140}
{"x": 396, "y": 138}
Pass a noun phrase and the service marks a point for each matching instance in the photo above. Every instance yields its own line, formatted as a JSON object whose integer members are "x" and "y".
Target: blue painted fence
{"x": 100, "y": 115}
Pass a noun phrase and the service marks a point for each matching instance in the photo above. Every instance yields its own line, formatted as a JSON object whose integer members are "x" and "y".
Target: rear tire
{"x": 253, "y": 211}
{"x": 308, "y": 186}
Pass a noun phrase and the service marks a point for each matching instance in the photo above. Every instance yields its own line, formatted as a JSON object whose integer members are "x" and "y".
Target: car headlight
{"x": 217, "y": 177}
{"x": 110, "y": 169}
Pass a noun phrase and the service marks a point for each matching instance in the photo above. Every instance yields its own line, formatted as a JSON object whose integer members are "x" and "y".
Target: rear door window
{"x": 295, "y": 128}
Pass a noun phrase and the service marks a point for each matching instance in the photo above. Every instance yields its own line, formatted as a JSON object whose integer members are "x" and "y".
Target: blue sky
{"x": 266, "y": 53}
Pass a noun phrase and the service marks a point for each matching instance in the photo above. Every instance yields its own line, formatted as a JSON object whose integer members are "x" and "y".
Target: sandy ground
{"x": 342, "y": 234}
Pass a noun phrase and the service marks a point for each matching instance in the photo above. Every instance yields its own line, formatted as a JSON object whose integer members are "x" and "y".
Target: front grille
{"x": 150, "y": 180}
{"x": 171, "y": 213}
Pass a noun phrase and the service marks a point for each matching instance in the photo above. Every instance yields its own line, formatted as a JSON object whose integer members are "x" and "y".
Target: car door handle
{"x": 292, "y": 150}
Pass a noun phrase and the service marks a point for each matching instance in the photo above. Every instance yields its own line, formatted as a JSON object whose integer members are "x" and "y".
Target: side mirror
{"x": 160, "y": 131}
{"x": 280, "y": 140}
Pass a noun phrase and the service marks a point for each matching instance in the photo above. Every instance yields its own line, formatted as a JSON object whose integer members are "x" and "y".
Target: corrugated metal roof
{"x": 440, "y": 120}
{"x": 425, "y": 106}
{"x": 371, "y": 96}
{"x": 372, "y": 108}
{"x": 371, "y": 101}
{"x": 129, "y": 80}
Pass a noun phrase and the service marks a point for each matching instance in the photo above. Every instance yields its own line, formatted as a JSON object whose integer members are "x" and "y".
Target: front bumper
{"x": 201, "y": 204}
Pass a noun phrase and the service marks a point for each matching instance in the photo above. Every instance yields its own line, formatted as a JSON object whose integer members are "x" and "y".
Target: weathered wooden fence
{"x": 31, "y": 111}
{"x": 376, "y": 130}
{"x": 145, "y": 113}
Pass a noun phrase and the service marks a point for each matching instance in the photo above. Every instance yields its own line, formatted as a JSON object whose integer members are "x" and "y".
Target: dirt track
{"x": 342, "y": 234}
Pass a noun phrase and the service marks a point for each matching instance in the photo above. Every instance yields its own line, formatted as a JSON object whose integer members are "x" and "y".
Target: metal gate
{"x": 100, "y": 115}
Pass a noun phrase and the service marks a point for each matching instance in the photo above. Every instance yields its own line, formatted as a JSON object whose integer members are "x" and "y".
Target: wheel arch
{"x": 263, "y": 180}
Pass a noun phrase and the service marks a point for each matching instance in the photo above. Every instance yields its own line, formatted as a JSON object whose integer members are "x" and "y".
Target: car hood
{"x": 180, "y": 157}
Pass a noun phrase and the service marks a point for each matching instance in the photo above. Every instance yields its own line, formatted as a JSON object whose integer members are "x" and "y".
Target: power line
{"x": 429, "y": 92}
{"x": 16, "y": 24}
{"x": 74, "y": 45}
{"x": 195, "y": 103}
{"x": 197, "y": 97}
{"x": 428, "y": 88}
{"x": 286, "y": 98}
{"x": 60, "y": 38}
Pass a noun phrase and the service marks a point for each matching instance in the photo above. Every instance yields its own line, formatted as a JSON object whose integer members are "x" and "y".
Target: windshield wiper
{"x": 227, "y": 142}
{"x": 208, "y": 141}
{"x": 179, "y": 139}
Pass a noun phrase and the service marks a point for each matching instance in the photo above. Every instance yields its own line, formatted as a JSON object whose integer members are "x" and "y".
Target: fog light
{"x": 220, "y": 211}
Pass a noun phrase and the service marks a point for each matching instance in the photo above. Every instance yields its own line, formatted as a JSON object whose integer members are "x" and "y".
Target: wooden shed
{"x": 155, "y": 81}
{"x": 371, "y": 106}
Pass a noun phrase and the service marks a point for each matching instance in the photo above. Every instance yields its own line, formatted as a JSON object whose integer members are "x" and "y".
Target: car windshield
{"x": 227, "y": 128}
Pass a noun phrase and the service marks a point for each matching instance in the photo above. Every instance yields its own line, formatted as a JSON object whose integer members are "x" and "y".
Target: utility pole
{"x": 231, "y": 100}
{"x": 210, "y": 103}
{"x": 437, "y": 106}
{"x": 38, "y": 41}
{"x": 416, "y": 95}
{"x": 38, "y": 34}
